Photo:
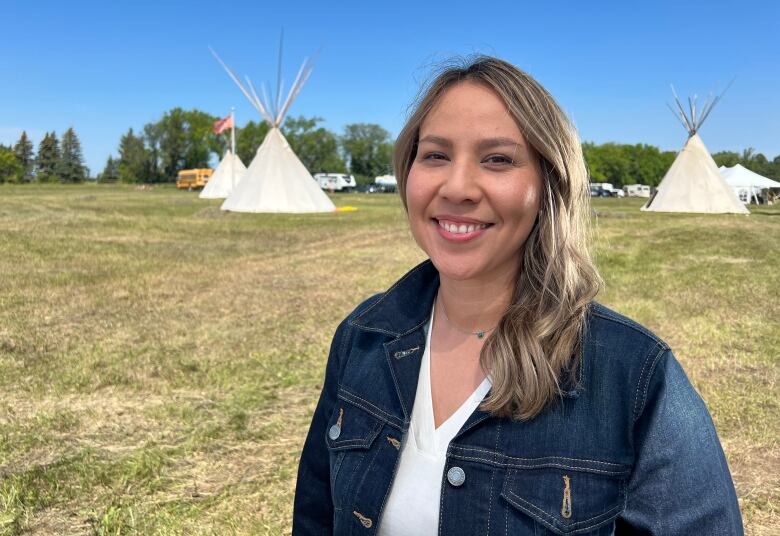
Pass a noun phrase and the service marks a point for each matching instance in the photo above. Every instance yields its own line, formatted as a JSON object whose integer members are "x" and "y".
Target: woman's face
{"x": 474, "y": 188}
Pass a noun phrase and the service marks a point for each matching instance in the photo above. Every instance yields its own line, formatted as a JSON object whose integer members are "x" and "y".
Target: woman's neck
{"x": 474, "y": 305}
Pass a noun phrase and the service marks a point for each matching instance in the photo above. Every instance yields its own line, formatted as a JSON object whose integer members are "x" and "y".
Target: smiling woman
{"x": 486, "y": 392}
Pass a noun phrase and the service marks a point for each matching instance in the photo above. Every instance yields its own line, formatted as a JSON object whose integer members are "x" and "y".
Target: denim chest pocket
{"x": 566, "y": 499}
{"x": 350, "y": 433}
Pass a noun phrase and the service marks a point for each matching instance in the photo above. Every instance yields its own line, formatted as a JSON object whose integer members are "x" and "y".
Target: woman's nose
{"x": 461, "y": 183}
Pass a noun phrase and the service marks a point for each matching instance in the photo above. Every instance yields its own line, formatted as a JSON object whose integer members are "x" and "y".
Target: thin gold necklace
{"x": 479, "y": 333}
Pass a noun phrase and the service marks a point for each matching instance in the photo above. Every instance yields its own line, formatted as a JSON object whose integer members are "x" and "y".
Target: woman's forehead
{"x": 469, "y": 110}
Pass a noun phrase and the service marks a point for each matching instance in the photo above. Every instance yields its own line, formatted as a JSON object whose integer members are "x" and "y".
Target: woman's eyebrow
{"x": 436, "y": 140}
{"x": 491, "y": 143}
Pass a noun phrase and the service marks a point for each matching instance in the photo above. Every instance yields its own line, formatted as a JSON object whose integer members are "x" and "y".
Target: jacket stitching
{"x": 347, "y": 396}
{"x": 496, "y": 454}
{"x": 602, "y": 312}
{"x": 395, "y": 382}
{"x": 650, "y": 374}
{"x": 541, "y": 466}
{"x": 550, "y": 524}
{"x": 492, "y": 477}
{"x": 647, "y": 360}
{"x": 385, "y": 294}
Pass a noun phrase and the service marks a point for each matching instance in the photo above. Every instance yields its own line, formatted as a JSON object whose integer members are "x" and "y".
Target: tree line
{"x": 184, "y": 139}
{"x": 56, "y": 160}
{"x": 621, "y": 164}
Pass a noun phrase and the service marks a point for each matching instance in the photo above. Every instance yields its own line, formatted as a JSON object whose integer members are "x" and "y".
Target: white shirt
{"x": 413, "y": 505}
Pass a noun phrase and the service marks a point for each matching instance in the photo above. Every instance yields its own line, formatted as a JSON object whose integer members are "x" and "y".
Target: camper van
{"x": 636, "y": 190}
{"x": 388, "y": 182}
{"x": 335, "y": 182}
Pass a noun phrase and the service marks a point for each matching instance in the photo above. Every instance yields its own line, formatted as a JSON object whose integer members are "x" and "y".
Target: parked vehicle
{"x": 335, "y": 182}
{"x": 605, "y": 189}
{"x": 193, "y": 178}
{"x": 371, "y": 188}
{"x": 389, "y": 182}
{"x": 636, "y": 190}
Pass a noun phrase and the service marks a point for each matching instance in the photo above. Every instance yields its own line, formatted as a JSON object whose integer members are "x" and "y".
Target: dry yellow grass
{"x": 160, "y": 359}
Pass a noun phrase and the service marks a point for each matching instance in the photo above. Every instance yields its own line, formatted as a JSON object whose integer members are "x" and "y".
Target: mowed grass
{"x": 160, "y": 359}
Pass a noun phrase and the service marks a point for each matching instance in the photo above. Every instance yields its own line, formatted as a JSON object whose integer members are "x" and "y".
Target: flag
{"x": 221, "y": 125}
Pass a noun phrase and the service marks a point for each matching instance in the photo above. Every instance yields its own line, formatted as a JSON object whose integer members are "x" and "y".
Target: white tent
{"x": 276, "y": 180}
{"x": 746, "y": 184}
{"x": 228, "y": 174}
{"x": 693, "y": 183}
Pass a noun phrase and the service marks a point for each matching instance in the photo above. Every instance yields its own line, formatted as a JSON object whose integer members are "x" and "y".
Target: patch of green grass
{"x": 160, "y": 359}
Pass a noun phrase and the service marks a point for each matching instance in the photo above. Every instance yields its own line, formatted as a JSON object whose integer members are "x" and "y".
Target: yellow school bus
{"x": 193, "y": 178}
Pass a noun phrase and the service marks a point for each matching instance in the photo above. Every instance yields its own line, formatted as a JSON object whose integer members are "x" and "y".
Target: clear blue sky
{"x": 102, "y": 67}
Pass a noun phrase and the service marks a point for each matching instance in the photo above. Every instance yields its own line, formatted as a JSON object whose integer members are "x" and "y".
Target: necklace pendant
{"x": 480, "y": 334}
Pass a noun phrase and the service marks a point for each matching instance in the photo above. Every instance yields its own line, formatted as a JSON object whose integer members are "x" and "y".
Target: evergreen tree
{"x": 111, "y": 172}
{"x": 10, "y": 168}
{"x": 71, "y": 165}
{"x": 133, "y": 158}
{"x": 25, "y": 155}
{"x": 48, "y": 158}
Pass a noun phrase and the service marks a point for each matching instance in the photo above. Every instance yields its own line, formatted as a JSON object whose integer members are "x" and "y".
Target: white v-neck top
{"x": 413, "y": 505}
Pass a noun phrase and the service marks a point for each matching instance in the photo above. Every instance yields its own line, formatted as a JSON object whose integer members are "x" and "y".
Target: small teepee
{"x": 230, "y": 169}
{"x": 693, "y": 183}
{"x": 276, "y": 180}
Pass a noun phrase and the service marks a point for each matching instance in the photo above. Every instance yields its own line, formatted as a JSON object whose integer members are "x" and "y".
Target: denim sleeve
{"x": 681, "y": 482}
{"x": 313, "y": 508}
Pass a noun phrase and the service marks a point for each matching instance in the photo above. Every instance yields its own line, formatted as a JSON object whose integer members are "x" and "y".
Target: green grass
{"x": 160, "y": 359}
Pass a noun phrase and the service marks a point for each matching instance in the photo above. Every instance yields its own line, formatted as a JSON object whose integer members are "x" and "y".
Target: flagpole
{"x": 233, "y": 147}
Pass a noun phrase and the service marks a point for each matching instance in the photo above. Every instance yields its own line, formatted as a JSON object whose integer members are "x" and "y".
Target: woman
{"x": 486, "y": 392}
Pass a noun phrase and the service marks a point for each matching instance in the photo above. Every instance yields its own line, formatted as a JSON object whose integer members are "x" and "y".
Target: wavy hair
{"x": 533, "y": 353}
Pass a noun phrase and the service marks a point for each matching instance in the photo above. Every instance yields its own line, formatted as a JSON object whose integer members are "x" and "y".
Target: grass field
{"x": 160, "y": 359}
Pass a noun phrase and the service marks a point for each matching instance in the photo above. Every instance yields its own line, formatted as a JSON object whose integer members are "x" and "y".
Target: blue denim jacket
{"x": 630, "y": 449}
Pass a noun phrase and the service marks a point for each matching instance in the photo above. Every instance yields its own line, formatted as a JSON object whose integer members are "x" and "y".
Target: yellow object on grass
{"x": 346, "y": 209}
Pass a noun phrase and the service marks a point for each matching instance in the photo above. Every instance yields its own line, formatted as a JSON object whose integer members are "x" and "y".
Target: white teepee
{"x": 276, "y": 180}
{"x": 693, "y": 183}
{"x": 228, "y": 174}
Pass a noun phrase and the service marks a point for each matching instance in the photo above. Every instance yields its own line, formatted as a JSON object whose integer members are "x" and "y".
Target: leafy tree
{"x": 71, "y": 165}
{"x": 249, "y": 138}
{"x": 368, "y": 149}
{"x": 186, "y": 141}
{"x": 10, "y": 168}
{"x": 111, "y": 172}
{"x": 317, "y": 148}
{"x": 726, "y": 158}
{"x": 133, "y": 158}
{"x": 48, "y": 158}
{"x": 25, "y": 156}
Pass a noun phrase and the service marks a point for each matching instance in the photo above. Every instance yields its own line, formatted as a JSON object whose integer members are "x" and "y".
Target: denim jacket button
{"x": 334, "y": 432}
{"x": 456, "y": 476}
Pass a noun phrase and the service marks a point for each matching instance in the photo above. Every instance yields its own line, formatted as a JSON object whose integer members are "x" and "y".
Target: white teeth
{"x": 462, "y": 228}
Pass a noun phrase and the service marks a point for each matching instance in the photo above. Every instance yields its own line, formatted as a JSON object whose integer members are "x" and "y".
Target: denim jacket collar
{"x": 404, "y": 307}
{"x": 401, "y": 313}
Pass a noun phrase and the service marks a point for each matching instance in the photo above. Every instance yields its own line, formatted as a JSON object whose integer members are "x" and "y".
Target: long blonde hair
{"x": 535, "y": 348}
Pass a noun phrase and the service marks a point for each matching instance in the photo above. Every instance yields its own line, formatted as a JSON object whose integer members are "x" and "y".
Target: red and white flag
{"x": 220, "y": 125}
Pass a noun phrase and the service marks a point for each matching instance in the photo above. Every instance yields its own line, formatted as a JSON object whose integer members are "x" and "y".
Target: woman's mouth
{"x": 460, "y": 231}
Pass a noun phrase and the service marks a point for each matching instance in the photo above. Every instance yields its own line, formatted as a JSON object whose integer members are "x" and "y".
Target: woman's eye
{"x": 498, "y": 159}
{"x": 434, "y": 156}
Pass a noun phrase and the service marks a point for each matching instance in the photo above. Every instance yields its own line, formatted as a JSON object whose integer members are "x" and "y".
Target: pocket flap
{"x": 351, "y": 427}
{"x": 566, "y": 501}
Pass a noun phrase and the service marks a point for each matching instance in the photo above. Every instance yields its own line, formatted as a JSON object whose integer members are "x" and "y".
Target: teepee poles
{"x": 274, "y": 109}
{"x": 691, "y": 120}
